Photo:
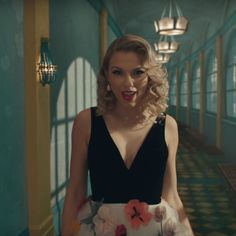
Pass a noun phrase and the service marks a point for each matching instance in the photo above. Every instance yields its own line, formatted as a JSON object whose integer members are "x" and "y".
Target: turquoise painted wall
{"x": 74, "y": 37}
{"x": 13, "y": 197}
{"x": 111, "y": 36}
{"x": 183, "y": 115}
{"x": 194, "y": 119}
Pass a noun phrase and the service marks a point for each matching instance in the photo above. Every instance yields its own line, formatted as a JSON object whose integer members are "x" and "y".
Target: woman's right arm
{"x": 76, "y": 190}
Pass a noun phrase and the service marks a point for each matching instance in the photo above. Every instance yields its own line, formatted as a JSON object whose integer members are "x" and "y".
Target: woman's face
{"x": 128, "y": 78}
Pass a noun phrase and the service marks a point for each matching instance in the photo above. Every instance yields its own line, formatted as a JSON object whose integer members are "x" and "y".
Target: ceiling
{"x": 137, "y": 17}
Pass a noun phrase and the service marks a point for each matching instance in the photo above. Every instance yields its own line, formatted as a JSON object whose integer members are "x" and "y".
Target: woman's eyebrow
{"x": 116, "y": 67}
{"x": 135, "y": 68}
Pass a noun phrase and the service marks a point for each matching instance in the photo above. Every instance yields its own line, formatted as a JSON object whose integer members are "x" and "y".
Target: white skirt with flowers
{"x": 134, "y": 218}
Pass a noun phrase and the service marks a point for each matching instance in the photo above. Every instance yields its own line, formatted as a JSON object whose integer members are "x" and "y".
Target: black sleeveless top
{"x": 110, "y": 179}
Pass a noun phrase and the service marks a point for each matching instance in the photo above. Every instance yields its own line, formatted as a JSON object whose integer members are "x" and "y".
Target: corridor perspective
{"x": 209, "y": 198}
{"x": 50, "y": 55}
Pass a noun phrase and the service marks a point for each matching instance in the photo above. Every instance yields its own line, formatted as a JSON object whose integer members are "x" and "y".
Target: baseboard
{"x": 46, "y": 228}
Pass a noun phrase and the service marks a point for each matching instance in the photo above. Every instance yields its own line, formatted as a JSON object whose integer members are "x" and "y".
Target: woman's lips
{"x": 128, "y": 95}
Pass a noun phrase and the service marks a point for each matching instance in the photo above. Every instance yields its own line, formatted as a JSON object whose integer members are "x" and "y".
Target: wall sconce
{"x": 45, "y": 68}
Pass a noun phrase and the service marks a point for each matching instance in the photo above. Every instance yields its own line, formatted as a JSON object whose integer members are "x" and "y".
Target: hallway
{"x": 209, "y": 200}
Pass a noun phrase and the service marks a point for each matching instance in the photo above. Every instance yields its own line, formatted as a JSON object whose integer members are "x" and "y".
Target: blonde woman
{"x": 128, "y": 144}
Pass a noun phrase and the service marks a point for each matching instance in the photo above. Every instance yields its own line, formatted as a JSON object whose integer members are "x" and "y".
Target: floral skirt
{"x": 134, "y": 218}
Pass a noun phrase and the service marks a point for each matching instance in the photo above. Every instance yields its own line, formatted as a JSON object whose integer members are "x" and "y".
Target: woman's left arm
{"x": 170, "y": 192}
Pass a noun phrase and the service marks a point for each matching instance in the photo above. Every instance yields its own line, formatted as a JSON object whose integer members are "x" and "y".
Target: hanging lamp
{"x": 163, "y": 58}
{"x": 165, "y": 45}
{"x": 173, "y": 24}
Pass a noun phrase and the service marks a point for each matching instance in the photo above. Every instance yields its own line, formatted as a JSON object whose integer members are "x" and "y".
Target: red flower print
{"x": 120, "y": 230}
{"x": 137, "y": 213}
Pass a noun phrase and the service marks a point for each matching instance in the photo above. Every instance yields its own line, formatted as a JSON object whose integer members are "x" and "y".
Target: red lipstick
{"x": 128, "y": 95}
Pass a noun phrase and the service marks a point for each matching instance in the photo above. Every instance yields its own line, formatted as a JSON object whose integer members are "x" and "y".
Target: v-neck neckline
{"x": 138, "y": 150}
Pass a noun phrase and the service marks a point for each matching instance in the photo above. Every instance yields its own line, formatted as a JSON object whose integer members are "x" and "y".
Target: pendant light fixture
{"x": 163, "y": 58}
{"x": 173, "y": 24}
{"x": 165, "y": 45}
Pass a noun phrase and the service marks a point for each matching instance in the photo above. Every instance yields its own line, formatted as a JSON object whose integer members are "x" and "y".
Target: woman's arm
{"x": 170, "y": 192}
{"x": 76, "y": 190}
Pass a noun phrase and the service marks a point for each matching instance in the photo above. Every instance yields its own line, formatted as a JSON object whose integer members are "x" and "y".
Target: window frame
{"x": 211, "y": 81}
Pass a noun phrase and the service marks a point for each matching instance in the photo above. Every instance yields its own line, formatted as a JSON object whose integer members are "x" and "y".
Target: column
{"x": 37, "y": 117}
{"x": 177, "y": 93}
{"x": 103, "y": 33}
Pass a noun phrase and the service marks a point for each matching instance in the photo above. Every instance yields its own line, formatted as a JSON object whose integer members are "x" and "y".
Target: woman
{"x": 128, "y": 144}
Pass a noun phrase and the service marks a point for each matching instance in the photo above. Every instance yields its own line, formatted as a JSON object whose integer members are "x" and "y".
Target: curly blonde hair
{"x": 155, "y": 101}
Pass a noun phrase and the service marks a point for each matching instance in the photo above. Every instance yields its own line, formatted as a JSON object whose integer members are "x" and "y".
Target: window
{"x": 78, "y": 91}
{"x": 183, "y": 88}
{"x": 196, "y": 86}
{"x": 173, "y": 90}
{"x": 211, "y": 83}
{"x": 231, "y": 81}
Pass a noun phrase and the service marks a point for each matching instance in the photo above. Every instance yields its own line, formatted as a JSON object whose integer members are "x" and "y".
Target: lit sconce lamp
{"x": 45, "y": 68}
{"x": 163, "y": 58}
{"x": 173, "y": 24}
{"x": 164, "y": 46}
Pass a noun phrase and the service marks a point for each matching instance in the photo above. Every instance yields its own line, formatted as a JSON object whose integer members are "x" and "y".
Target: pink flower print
{"x": 121, "y": 230}
{"x": 137, "y": 213}
{"x": 160, "y": 213}
{"x": 104, "y": 222}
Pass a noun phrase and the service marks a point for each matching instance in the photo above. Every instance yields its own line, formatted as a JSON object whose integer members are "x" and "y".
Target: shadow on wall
{"x": 77, "y": 91}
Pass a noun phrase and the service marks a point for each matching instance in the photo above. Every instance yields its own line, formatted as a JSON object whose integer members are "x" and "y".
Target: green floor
{"x": 209, "y": 201}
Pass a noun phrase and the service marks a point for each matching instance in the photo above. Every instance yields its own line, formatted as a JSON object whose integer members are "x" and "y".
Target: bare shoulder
{"x": 171, "y": 132}
{"x": 83, "y": 115}
{"x": 82, "y": 124}
{"x": 171, "y": 123}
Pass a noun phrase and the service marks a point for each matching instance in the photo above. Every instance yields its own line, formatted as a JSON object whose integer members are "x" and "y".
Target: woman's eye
{"x": 116, "y": 72}
{"x": 139, "y": 73}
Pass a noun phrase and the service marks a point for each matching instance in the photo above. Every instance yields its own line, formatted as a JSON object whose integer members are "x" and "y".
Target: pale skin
{"x": 128, "y": 137}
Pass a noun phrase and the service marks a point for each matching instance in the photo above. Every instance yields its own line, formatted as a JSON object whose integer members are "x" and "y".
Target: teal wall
{"x": 13, "y": 194}
{"x": 111, "y": 35}
{"x": 194, "y": 119}
{"x": 74, "y": 40}
{"x": 74, "y": 36}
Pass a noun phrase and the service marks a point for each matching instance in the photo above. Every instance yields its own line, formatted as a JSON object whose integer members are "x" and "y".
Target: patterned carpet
{"x": 229, "y": 172}
{"x": 209, "y": 200}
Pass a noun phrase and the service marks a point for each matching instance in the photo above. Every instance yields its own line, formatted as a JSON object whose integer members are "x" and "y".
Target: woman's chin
{"x": 130, "y": 103}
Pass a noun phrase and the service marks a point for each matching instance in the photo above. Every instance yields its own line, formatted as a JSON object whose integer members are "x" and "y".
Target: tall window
{"x": 211, "y": 83}
{"x": 173, "y": 90}
{"x": 196, "y": 86}
{"x": 78, "y": 91}
{"x": 231, "y": 81}
{"x": 183, "y": 88}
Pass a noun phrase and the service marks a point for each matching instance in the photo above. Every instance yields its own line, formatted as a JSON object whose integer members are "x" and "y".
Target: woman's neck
{"x": 132, "y": 116}
{"x": 130, "y": 112}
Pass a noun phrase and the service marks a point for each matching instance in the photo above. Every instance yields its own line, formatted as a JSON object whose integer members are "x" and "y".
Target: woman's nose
{"x": 129, "y": 80}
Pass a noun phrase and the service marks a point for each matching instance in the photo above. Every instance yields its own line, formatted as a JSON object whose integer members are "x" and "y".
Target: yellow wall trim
{"x": 45, "y": 228}
{"x": 37, "y": 121}
{"x": 103, "y": 33}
